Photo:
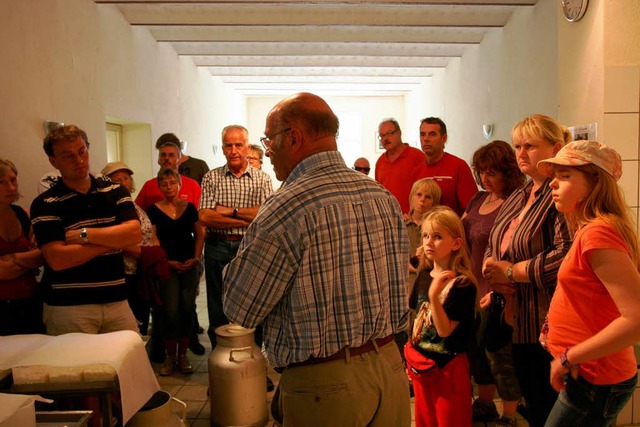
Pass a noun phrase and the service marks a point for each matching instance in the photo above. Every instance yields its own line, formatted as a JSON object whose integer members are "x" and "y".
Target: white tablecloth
{"x": 123, "y": 350}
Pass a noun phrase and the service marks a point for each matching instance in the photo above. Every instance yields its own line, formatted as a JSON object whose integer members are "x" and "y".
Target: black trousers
{"x": 533, "y": 365}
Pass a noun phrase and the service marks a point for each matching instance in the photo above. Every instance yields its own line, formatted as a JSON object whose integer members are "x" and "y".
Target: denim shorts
{"x": 585, "y": 404}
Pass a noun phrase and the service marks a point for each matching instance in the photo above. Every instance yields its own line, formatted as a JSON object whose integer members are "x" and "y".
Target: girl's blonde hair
{"x": 446, "y": 218}
{"x": 542, "y": 127}
{"x": 8, "y": 164}
{"x": 606, "y": 202}
{"x": 430, "y": 187}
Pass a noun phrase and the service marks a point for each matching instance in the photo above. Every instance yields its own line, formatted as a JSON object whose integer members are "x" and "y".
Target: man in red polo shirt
{"x": 451, "y": 173}
{"x": 396, "y": 167}
{"x": 168, "y": 157}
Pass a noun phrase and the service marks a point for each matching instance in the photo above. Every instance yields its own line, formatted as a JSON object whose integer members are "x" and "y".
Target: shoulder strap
{"x": 23, "y": 218}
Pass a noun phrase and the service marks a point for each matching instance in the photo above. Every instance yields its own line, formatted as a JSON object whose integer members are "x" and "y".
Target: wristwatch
{"x": 84, "y": 236}
{"x": 235, "y": 212}
{"x": 510, "y": 273}
{"x": 564, "y": 361}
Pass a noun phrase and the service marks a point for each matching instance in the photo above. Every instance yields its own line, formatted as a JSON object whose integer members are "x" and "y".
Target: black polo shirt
{"x": 100, "y": 280}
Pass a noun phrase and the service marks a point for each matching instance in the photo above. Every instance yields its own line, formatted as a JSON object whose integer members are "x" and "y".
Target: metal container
{"x": 157, "y": 412}
{"x": 237, "y": 379}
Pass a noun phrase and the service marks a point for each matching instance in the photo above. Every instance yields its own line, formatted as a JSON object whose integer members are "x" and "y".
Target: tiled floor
{"x": 192, "y": 389}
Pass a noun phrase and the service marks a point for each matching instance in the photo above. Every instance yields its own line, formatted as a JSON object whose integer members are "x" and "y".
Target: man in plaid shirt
{"x": 231, "y": 197}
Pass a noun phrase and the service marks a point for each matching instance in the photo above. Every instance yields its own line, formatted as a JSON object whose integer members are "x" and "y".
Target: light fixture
{"x": 487, "y": 130}
{"x": 49, "y": 126}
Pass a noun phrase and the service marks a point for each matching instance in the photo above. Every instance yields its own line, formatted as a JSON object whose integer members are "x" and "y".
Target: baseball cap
{"x": 579, "y": 153}
{"x": 112, "y": 167}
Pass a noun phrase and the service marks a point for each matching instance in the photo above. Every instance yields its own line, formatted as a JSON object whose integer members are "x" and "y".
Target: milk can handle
{"x": 184, "y": 409}
{"x": 250, "y": 349}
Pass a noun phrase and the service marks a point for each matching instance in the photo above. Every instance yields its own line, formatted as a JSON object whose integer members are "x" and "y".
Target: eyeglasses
{"x": 266, "y": 140}
{"x": 384, "y": 135}
{"x": 362, "y": 169}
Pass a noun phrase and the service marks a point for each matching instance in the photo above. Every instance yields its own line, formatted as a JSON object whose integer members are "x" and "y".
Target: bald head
{"x": 298, "y": 127}
{"x": 309, "y": 112}
{"x": 362, "y": 165}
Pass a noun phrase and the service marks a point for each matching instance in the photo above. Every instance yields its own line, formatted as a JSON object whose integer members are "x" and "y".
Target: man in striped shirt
{"x": 81, "y": 225}
{"x": 231, "y": 197}
{"x": 323, "y": 268}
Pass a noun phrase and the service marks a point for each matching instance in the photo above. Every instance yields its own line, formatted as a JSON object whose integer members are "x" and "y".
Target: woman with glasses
{"x": 256, "y": 153}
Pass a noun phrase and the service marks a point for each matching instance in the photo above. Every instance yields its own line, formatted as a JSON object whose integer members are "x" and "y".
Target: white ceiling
{"x": 270, "y": 47}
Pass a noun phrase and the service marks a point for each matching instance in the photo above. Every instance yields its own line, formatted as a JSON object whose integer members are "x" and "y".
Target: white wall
{"x": 581, "y": 67}
{"x": 418, "y": 105}
{"x": 512, "y": 73}
{"x": 230, "y": 108}
{"x": 77, "y": 62}
{"x": 599, "y": 75}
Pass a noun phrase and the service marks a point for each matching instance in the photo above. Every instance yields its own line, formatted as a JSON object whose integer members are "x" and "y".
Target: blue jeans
{"x": 585, "y": 404}
{"x": 217, "y": 254}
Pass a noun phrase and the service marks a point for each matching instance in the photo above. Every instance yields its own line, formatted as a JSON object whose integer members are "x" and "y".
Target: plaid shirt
{"x": 543, "y": 238}
{"x": 323, "y": 265}
{"x": 221, "y": 187}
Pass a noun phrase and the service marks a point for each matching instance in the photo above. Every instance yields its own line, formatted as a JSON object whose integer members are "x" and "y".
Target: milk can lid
{"x": 233, "y": 331}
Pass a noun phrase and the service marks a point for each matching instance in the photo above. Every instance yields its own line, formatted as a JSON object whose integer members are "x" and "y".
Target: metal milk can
{"x": 237, "y": 379}
{"x": 157, "y": 412}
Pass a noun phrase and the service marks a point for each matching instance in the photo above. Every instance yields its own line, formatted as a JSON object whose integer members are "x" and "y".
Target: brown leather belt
{"x": 224, "y": 237}
{"x": 342, "y": 354}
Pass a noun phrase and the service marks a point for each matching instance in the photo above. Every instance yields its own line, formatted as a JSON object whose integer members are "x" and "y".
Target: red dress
{"x": 21, "y": 287}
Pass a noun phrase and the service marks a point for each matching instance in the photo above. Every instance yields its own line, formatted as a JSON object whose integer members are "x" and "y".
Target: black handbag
{"x": 494, "y": 332}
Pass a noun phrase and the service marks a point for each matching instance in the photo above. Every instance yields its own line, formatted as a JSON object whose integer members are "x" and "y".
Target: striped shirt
{"x": 323, "y": 265}
{"x": 221, "y": 187}
{"x": 100, "y": 280}
{"x": 542, "y": 238}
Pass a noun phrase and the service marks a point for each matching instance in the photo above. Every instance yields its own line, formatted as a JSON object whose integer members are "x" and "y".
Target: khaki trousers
{"x": 89, "y": 318}
{"x": 370, "y": 389}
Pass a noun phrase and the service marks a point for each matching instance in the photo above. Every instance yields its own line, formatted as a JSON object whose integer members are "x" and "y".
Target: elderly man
{"x": 396, "y": 167}
{"x": 362, "y": 165}
{"x": 323, "y": 269}
{"x": 82, "y": 224}
{"x": 451, "y": 173}
{"x": 231, "y": 197}
{"x": 169, "y": 156}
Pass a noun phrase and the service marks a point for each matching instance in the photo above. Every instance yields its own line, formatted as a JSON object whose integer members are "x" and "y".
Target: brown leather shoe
{"x": 184, "y": 365}
{"x": 168, "y": 366}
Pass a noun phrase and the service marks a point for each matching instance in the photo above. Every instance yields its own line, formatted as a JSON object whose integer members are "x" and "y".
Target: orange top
{"x": 582, "y": 306}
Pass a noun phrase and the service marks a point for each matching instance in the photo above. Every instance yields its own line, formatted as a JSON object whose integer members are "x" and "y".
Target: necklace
{"x": 171, "y": 210}
{"x": 489, "y": 201}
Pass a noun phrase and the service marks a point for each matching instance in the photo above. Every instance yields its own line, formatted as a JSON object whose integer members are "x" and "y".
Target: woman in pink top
{"x": 593, "y": 319}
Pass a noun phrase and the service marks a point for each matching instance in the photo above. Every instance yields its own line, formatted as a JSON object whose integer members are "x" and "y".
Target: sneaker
{"x": 484, "y": 412}
{"x": 506, "y": 421}
{"x": 184, "y": 365}
{"x": 168, "y": 366}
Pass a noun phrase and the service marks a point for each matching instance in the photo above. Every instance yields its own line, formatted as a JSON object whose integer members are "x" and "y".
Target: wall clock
{"x": 574, "y": 9}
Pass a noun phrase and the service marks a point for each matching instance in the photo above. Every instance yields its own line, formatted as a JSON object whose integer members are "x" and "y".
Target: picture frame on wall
{"x": 378, "y": 144}
{"x": 587, "y": 131}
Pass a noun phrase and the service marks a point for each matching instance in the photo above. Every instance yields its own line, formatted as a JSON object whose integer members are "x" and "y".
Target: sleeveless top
{"x": 24, "y": 286}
